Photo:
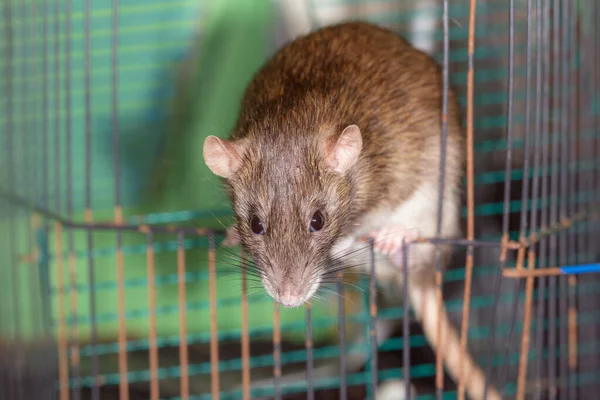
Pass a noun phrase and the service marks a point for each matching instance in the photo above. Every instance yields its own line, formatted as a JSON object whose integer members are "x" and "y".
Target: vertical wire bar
{"x": 7, "y": 67}
{"x": 583, "y": 128}
{"x": 543, "y": 246}
{"x": 564, "y": 199}
{"x": 276, "y": 351}
{"x": 545, "y": 49}
{"x": 10, "y": 129}
{"x": 10, "y": 125}
{"x": 507, "y": 182}
{"x": 14, "y": 377}
{"x": 590, "y": 195}
{"x": 596, "y": 166}
{"x": 152, "y": 336}
{"x": 35, "y": 219}
{"x": 28, "y": 130}
{"x": 15, "y": 178}
{"x": 439, "y": 366}
{"x": 566, "y": 247}
{"x": 595, "y": 233}
{"x": 63, "y": 363}
{"x": 527, "y": 146}
{"x": 570, "y": 81}
{"x": 539, "y": 125}
{"x": 342, "y": 336}
{"x": 597, "y": 120}
{"x": 62, "y": 335}
{"x": 563, "y": 333}
{"x": 95, "y": 369}
{"x": 245, "y": 334}
{"x": 45, "y": 279}
{"x": 556, "y": 114}
{"x": 511, "y": 330}
{"x": 595, "y": 139}
{"x": 470, "y": 200}
{"x": 373, "y": 322}
{"x": 69, "y": 208}
{"x": 525, "y": 190}
{"x": 406, "y": 323}
{"x": 573, "y": 357}
{"x": 553, "y": 139}
{"x": 310, "y": 392}
{"x": 183, "y": 348}
{"x": 35, "y": 223}
{"x": 526, "y": 327}
{"x": 214, "y": 339}
{"x": 118, "y": 211}
{"x": 574, "y": 128}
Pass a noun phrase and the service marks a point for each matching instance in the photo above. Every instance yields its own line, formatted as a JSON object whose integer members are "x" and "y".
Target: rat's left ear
{"x": 342, "y": 150}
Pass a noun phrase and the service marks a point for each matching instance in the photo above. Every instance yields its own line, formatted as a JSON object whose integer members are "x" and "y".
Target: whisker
{"x": 239, "y": 269}
{"x": 346, "y": 283}
{"x": 218, "y": 220}
{"x": 255, "y": 292}
{"x": 351, "y": 251}
{"x": 345, "y": 266}
{"x": 238, "y": 260}
{"x": 240, "y": 279}
{"x": 335, "y": 292}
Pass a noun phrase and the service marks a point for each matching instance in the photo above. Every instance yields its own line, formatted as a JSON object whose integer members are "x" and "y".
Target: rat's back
{"x": 350, "y": 67}
{"x": 352, "y": 71}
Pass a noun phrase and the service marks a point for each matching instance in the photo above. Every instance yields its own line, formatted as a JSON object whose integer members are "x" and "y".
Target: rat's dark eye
{"x": 317, "y": 221}
{"x": 257, "y": 226}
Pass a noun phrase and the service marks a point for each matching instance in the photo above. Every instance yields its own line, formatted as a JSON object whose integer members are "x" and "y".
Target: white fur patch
{"x": 414, "y": 214}
{"x": 394, "y": 389}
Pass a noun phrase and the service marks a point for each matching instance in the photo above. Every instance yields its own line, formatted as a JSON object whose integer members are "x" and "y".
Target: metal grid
{"x": 557, "y": 60}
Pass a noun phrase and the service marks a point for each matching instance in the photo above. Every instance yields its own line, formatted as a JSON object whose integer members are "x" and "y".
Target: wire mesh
{"x": 106, "y": 296}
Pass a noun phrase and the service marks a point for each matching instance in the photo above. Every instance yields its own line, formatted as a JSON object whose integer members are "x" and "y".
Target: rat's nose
{"x": 289, "y": 298}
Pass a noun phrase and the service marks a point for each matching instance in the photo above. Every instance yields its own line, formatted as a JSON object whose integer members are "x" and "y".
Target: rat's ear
{"x": 223, "y": 157}
{"x": 342, "y": 150}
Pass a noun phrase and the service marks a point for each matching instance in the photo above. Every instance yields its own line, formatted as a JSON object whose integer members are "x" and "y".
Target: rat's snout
{"x": 290, "y": 292}
{"x": 289, "y": 297}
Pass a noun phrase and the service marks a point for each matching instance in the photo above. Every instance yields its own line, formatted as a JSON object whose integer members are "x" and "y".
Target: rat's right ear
{"x": 223, "y": 157}
{"x": 341, "y": 151}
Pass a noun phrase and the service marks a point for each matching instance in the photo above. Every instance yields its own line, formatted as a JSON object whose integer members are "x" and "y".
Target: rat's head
{"x": 292, "y": 199}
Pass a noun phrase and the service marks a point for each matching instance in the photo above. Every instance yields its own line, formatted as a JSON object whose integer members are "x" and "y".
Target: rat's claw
{"x": 389, "y": 241}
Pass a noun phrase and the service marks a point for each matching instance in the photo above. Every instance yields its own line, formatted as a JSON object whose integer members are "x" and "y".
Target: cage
{"x": 114, "y": 281}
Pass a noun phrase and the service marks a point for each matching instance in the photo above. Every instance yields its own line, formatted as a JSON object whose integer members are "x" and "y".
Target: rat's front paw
{"x": 389, "y": 241}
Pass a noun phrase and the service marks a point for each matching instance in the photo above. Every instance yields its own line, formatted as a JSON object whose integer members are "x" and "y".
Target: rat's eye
{"x": 317, "y": 221}
{"x": 257, "y": 226}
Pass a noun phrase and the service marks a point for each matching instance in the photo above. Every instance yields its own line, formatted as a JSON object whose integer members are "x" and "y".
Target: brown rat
{"x": 338, "y": 139}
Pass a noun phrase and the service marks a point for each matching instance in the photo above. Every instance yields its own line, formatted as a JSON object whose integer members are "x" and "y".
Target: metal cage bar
{"x": 550, "y": 227}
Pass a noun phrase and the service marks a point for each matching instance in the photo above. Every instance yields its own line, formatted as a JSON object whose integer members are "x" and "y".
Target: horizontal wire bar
{"x": 143, "y": 228}
{"x": 554, "y": 271}
{"x": 580, "y": 269}
{"x": 146, "y": 228}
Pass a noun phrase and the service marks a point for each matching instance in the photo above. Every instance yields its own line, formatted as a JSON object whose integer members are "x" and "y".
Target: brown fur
{"x": 352, "y": 73}
{"x": 313, "y": 88}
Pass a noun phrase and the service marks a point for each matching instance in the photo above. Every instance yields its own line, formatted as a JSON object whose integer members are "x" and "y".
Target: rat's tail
{"x": 424, "y": 302}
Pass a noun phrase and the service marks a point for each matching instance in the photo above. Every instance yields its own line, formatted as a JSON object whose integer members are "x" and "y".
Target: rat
{"x": 338, "y": 141}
